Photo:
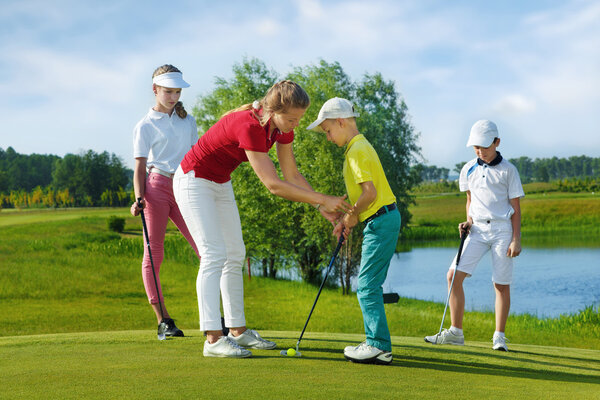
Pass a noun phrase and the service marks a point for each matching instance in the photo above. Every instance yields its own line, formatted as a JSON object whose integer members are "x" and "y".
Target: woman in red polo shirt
{"x": 203, "y": 190}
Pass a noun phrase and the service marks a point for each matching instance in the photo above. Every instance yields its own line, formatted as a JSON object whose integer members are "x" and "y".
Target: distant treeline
{"x": 536, "y": 170}
{"x": 40, "y": 180}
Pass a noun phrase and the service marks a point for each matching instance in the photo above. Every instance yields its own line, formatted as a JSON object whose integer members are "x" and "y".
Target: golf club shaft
{"x": 335, "y": 253}
{"x": 463, "y": 236}
{"x": 150, "y": 255}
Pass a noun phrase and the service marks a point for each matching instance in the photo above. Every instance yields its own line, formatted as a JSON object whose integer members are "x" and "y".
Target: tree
{"x": 458, "y": 167}
{"x": 276, "y": 229}
{"x": 88, "y": 175}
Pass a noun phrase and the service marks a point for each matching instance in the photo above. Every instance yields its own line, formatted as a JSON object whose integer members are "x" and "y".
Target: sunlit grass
{"x": 73, "y": 275}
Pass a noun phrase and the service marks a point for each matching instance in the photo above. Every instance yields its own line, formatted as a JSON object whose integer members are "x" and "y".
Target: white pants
{"x": 494, "y": 236}
{"x": 211, "y": 215}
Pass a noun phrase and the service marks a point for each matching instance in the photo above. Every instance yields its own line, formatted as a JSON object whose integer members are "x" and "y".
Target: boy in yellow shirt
{"x": 374, "y": 205}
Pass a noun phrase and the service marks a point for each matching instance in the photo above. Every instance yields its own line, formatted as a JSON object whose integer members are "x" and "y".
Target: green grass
{"x": 544, "y": 216}
{"x": 134, "y": 365}
{"x": 63, "y": 273}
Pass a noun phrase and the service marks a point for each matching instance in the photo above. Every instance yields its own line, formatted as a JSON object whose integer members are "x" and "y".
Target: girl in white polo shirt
{"x": 493, "y": 223}
{"x": 160, "y": 140}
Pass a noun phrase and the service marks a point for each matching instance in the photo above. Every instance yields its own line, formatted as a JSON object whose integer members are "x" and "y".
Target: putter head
{"x": 162, "y": 328}
{"x": 285, "y": 353}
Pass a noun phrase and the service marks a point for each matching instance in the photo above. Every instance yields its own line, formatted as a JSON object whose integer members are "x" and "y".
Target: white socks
{"x": 455, "y": 331}
{"x": 498, "y": 334}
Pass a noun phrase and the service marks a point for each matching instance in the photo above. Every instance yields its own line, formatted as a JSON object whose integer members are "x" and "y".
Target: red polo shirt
{"x": 222, "y": 148}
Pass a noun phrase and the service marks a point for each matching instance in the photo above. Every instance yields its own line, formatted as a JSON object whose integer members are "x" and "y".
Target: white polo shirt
{"x": 491, "y": 189}
{"x": 164, "y": 140}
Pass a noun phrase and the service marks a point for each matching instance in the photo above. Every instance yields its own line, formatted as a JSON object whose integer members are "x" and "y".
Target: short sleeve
{"x": 515, "y": 189}
{"x": 358, "y": 162}
{"x": 463, "y": 181}
{"x": 142, "y": 141}
{"x": 251, "y": 137}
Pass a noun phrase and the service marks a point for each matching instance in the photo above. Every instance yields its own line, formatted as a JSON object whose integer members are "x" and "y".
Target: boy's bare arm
{"x": 366, "y": 198}
{"x": 514, "y": 249}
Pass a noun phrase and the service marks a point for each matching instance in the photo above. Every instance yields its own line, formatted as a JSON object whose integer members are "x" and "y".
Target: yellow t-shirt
{"x": 362, "y": 165}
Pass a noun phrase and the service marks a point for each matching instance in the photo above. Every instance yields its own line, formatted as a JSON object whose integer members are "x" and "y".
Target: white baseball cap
{"x": 331, "y": 109}
{"x": 173, "y": 80}
{"x": 483, "y": 133}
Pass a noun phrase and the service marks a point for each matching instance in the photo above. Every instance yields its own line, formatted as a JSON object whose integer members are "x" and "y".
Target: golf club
{"x": 463, "y": 236}
{"x": 335, "y": 253}
{"x": 162, "y": 327}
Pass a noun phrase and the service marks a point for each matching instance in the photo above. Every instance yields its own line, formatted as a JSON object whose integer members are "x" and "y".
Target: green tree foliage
{"x": 50, "y": 181}
{"x": 275, "y": 229}
{"x": 458, "y": 167}
{"x": 430, "y": 173}
{"x": 88, "y": 175}
{"x": 24, "y": 172}
{"x": 551, "y": 169}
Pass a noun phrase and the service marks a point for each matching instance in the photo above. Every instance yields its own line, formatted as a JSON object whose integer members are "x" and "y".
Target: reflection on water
{"x": 547, "y": 282}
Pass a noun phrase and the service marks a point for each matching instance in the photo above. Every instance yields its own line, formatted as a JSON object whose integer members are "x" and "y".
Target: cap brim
{"x": 316, "y": 126}
{"x": 480, "y": 142}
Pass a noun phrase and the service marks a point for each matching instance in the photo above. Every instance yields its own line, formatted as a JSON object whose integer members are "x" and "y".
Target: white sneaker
{"x": 366, "y": 354}
{"x": 251, "y": 339}
{"x": 446, "y": 337}
{"x": 225, "y": 347}
{"x": 500, "y": 343}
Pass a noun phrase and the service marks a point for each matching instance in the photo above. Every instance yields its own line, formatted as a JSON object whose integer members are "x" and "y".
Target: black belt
{"x": 381, "y": 211}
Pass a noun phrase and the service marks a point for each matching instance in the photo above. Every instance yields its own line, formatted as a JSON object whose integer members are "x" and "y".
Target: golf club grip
{"x": 463, "y": 237}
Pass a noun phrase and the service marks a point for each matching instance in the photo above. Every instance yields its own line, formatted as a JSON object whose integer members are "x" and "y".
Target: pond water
{"x": 547, "y": 282}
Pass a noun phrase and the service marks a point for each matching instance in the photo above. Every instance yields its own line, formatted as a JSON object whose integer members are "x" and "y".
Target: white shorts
{"x": 484, "y": 236}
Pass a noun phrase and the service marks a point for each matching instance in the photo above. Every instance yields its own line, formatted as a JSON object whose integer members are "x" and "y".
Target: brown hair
{"x": 163, "y": 69}
{"x": 279, "y": 99}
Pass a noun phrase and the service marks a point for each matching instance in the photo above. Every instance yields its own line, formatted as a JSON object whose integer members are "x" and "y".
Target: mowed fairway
{"x": 76, "y": 325}
{"x": 133, "y": 364}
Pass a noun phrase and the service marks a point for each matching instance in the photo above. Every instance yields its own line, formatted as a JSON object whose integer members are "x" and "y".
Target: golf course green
{"x": 77, "y": 326}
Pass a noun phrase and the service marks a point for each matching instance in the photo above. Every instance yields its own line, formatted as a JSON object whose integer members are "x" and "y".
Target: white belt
{"x": 155, "y": 170}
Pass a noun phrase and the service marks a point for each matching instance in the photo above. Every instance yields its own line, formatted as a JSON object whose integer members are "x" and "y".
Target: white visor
{"x": 173, "y": 80}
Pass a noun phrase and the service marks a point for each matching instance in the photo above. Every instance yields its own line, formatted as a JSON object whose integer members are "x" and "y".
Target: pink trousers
{"x": 160, "y": 206}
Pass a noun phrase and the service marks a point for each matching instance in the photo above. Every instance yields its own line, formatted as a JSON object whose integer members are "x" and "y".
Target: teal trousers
{"x": 378, "y": 247}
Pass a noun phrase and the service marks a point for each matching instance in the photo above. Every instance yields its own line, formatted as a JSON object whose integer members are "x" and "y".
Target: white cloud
{"x": 61, "y": 76}
{"x": 514, "y": 104}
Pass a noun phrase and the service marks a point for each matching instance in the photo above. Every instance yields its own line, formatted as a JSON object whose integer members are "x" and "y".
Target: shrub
{"x": 116, "y": 224}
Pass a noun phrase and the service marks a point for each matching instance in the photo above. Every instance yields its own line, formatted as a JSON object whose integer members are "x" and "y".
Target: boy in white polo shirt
{"x": 493, "y": 223}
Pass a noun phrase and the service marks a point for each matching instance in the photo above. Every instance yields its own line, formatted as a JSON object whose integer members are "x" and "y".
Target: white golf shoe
{"x": 225, "y": 347}
{"x": 446, "y": 337}
{"x": 366, "y": 354}
{"x": 251, "y": 339}
{"x": 499, "y": 343}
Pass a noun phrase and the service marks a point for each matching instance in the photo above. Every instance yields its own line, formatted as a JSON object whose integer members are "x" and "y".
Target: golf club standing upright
{"x": 463, "y": 236}
{"x": 333, "y": 257}
{"x": 162, "y": 327}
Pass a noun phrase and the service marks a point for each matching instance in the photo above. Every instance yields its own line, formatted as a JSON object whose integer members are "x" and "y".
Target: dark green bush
{"x": 116, "y": 224}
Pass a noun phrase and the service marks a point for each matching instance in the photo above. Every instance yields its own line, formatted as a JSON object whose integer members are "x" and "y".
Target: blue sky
{"x": 76, "y": 75}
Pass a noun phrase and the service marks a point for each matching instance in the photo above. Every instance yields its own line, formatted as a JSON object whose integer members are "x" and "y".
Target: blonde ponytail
{"x": 180, "y": 110}
{"x": 279, "y": 99}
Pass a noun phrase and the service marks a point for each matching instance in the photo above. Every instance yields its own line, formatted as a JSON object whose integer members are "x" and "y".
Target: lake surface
{"x": 546, "y": 282}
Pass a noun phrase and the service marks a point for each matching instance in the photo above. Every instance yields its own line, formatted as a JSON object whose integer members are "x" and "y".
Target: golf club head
{"x": 162, "y": 328}
{"x": 285, "y": 354}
